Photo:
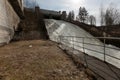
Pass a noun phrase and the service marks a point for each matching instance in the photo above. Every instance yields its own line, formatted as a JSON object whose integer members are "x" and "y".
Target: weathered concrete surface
{"x": 9, "y": 20}
{"x": 32, "y": 27}
{"x": 18, "y": 7}
{"x": 58, "y": 28}
{"x": 5, "y": 35}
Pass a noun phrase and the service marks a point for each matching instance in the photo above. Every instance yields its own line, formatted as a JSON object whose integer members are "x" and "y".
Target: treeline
{"x": 82, "y": 16}
{"x": 110, "y": 16}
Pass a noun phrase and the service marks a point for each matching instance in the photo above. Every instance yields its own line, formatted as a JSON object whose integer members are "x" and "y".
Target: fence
{"x": 94, "y": 47}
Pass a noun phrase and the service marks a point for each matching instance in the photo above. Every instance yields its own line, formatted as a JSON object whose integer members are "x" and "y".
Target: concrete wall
{"x": 32, "y": 27}
{"x": 21, "y": 4}
{"x": 8, "y": 21}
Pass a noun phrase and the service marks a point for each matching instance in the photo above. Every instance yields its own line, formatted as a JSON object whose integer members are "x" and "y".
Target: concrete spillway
{"x": 58, "y": 28}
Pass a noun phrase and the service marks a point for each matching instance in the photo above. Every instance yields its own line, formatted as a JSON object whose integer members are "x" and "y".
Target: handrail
{"x": 74, "y": 43}
{"x": 94, "y": 44}
{"x": 72, "y": 39}
{"x": 94, "y": 37}
{"x": 96, "y": 50}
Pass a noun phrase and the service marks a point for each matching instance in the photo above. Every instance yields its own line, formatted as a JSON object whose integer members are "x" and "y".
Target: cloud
{"x": 93, "y": 6}
{"x": 61, "y": 4}
{"x": 30, "y": 3}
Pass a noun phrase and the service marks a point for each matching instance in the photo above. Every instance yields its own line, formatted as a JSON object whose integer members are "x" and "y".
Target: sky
{"x": 93, "y": 6}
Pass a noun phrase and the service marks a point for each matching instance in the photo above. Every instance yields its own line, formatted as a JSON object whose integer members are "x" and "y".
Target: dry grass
{"x": 37, "y": 60}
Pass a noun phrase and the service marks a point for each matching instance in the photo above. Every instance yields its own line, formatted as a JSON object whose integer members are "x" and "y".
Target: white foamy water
{"x": 58, "y": 28}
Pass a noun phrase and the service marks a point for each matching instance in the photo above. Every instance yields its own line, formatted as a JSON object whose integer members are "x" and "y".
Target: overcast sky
{"x": 93, "y": 6}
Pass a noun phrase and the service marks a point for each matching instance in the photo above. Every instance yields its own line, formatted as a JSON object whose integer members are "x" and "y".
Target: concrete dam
{"x": 39, "y": 24}
{"x": 72, "y": 36}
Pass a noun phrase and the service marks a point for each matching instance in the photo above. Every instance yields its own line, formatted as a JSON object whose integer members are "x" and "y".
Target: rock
{"x": 30, "y": 46}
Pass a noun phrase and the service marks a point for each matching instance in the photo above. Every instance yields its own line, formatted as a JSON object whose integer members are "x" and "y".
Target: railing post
{"x": 60, "y": 39}
{"x": 73, "y": 43}
{"x": 84, "y": 53}
{"x": 104, "y": 50}
{"x": 83, "y": 45}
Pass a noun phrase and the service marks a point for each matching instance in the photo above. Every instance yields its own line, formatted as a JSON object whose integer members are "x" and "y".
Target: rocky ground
{"x": 37, "y": 60}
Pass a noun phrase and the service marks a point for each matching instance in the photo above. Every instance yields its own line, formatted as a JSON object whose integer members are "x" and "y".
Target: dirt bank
{"x": 37, "y": 60}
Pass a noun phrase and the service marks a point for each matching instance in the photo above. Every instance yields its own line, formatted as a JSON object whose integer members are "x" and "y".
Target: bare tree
{"x": 64, "y": 15}
{"x": 71, "y": 16}
{"x": 112, "y": 16}
{"x": 92, "y": 20}
{"x": 82, "y": 14}
{"x": 77, "y": 18}
{"x": 102, "y": 14}
{"x": 116, "y": 16}
{"x": 108, "y": 17}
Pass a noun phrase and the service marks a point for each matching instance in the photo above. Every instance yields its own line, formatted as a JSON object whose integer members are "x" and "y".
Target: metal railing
{"x": 72, "y": 40}
{"x": 84, "y": 44}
